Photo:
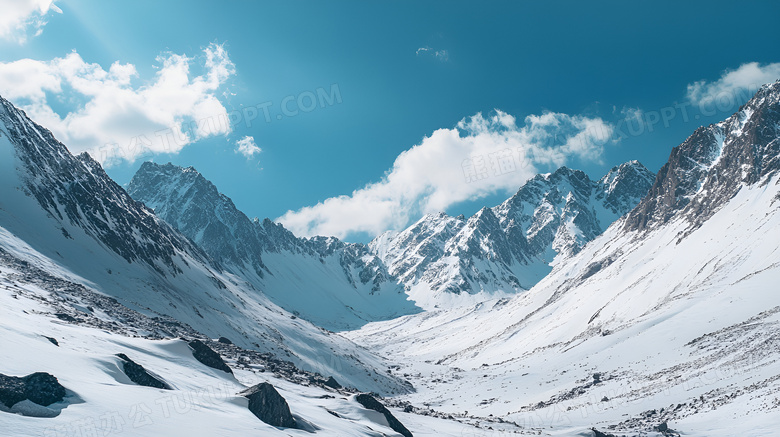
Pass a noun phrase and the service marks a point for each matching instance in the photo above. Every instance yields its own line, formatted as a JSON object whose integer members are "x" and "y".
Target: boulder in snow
{"x": 40, "y": 388}
{"x": 269, "y": 406}
{"x": 369, "y": 402}
{"x": 207, "y": 356}
{"x": 139, "y": 375}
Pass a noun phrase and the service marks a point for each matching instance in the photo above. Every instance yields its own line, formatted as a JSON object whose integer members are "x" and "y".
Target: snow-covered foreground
{"x": 634, "y": 331}
{"x": 103, "y": 401}
{"x": 66, "y": 217}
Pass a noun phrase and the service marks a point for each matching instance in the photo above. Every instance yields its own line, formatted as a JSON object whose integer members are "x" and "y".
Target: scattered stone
{"x": 207, "y": 356}
{"x": 369, "y": 402}
{"x": 40, "y": 388}
{"x": 332, "y": 383}
{"x": 139, "y": 375}
{"x": 664, "y": 429}
{"x": 269, "y": 406}
{"x": 66, "y": 318}
{"x": 597, "y": 433}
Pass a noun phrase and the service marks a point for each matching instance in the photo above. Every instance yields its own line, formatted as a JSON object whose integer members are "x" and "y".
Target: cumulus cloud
{"x": 480, "y": 156}
{"x": 113, "y": 118}
{"x": 247, "y": 147}
{"x": 734, "y": 86}
{"x": 19, "y": 18}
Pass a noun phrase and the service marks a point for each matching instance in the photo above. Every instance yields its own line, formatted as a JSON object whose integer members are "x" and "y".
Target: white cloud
{"x": 441, "y": 55}
{"x": 247, "y": 147}
{"x": 734, "y": 86}
{"x": 481, "y": 156}
{"x": 19, "y": 18}
{"x": 112, "y": 118}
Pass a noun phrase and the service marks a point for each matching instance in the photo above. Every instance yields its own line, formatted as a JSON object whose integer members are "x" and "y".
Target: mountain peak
{"x": 344, "y": 287}
{"x": 46, "y": 170}
{"x": 510, "y": 247}
{"x": 712, "y": 164}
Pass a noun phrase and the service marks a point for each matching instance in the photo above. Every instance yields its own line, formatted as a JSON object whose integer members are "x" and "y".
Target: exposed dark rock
{"x": 597, "y": 433}
{"x": 332, "y": 383}
{"x": 269, "y": 406}
{"x": 371, "y": 403}
{"x": 207, "y": 356}
{"x": 139, "y": 375}
{"x": 664, "y": 429}
{"x": 224, "y": 340}
{"x": 66, "y": 318}
{"x": 40, "y": 388}
{"x": 52, "y": 340}
{"x": 712, "y": 165}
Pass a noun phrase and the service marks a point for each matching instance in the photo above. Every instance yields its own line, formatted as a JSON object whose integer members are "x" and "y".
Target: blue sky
{"x": 375, "y": 92}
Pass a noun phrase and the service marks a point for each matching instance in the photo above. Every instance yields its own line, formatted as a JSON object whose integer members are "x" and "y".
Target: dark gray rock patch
{"x": 369, "y": 402}
{"x": 269, "y": 406}
{"x": 138, "y": 374}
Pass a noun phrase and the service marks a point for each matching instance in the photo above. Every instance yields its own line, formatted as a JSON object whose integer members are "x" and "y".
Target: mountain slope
{"x": 333, "y": 284}
{"x": 714, "y": 163}
{"x": 70, "y": 213}
{"x": 50, "y": 324}
{"x": 670, "y": 318}
{"x": 444, "y": 260}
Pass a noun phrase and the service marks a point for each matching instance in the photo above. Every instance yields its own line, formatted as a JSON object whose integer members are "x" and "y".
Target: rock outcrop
{"x": 269, "y": 406}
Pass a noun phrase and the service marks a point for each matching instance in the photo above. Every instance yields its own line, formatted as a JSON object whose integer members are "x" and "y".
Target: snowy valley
{"x": 632, "y": 305}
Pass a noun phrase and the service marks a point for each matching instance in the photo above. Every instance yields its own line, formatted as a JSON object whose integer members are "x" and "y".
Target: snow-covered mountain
{"x": 670, "y": 320}
{"x": 65, "y": 212}
{"x": 51, "y": 324}
{"x": 665, "y": 323}
{"x": 714, "y": 164}
{"x": 333, "y": 284}
{"x": 444, "y": 260}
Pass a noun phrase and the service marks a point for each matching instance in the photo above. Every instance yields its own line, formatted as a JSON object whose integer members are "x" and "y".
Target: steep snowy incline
{"x": 330, "y": 283}
{"x": 67, "y": 209}
{"x": 102, "y": 399}
{"x": 450, "y": 261}
{"x": 674, "y": 322}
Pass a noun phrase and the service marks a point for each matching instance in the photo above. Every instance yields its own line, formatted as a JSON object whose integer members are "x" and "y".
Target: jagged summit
{"x": 62, "y": 215}
{"x": 77, "y": 193}
{"x": 510, "y": 247}
{"x": 333, "y": 284}
{"x": 667, "y": 320}
{"x": 713, "y": 164}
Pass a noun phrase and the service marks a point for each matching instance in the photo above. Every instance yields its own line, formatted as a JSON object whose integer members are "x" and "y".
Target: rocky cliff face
{"x": 509, "y": 247}
{"x": 712, "y": 165}
{"x": 498, "y": 250}
{"x": 76, "y": 192}
{"x": 334, "y": 284}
